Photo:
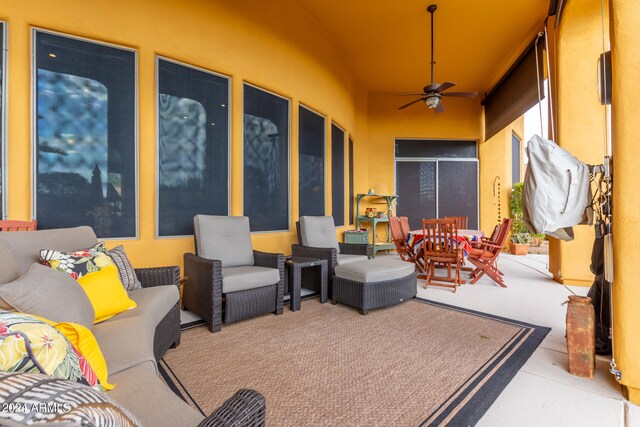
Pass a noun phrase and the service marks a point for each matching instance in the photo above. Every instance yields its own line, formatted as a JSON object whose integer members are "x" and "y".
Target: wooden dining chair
{"x": 10, "y": 225}
{"x": 440, "y": 246}
{"x": 404, "y": 225}
{"x": 485, "y": 256}
{"x": 405, "y": 250}
{"x": 462, "y": 222}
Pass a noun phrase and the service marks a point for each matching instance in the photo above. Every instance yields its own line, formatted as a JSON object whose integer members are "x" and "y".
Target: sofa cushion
{"x": 49, "y": 351}
{"x": 318, "y": 232}
{"x": 344, "y": 259}
{"x": 106, "y": 293}
{"x": 375, "y": 270}
{"x": 143, "y": 393}
{"x": 225, "y": 238}
{"x": 242, "y": 278}
{"x": 154, "y": 302}
{"x": 26, "y": 245}
{"x": 9, "y": 270}
{"x": 50, "y": 294}
{"x": 78, "y": 405}
{"x": 77, "y": 263}
{"x": 126, "y": 343}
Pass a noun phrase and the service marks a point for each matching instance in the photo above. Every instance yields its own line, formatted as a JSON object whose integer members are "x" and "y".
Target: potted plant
{"x": 520, "y": 235}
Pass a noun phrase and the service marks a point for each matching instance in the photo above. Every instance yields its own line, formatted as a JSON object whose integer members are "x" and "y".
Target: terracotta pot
{"x": 519, "y": 248}
{"x": 581, "y": 336}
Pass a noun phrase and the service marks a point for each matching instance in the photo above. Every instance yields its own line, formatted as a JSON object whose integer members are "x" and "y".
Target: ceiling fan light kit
{"x": 432, "y": 93}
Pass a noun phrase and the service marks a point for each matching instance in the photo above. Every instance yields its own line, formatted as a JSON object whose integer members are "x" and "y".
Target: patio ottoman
{"x": 374, "y": 283}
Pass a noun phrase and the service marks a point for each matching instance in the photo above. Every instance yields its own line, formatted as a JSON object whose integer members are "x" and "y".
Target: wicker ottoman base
{"x": 368, "y": 296}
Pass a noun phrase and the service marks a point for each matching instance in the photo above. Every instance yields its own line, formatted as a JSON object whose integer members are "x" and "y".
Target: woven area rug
{"x": 415, "y": 364}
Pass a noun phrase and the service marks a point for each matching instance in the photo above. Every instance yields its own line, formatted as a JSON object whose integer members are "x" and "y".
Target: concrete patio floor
{"x": 543, "y": 393}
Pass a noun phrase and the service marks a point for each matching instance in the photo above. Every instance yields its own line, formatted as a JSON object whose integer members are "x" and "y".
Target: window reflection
{"x": 193, "y": 140}
{"x": 85, "y": 136}
{"x": 311, "y": 167}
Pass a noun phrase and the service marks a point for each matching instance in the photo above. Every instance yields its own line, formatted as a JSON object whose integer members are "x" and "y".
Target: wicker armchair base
{"x": 368, "y": 296}
{"x": 250, "y": 303}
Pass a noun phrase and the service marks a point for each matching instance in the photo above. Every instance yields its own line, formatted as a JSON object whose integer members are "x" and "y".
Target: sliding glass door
{"x": 436, "y": 178}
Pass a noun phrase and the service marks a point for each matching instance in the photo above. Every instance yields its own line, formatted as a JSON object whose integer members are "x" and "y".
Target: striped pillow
{"x": 37, "y": 398}
{"x": 125, "y": 269}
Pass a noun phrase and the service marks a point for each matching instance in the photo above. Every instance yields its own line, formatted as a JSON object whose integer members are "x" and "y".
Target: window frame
{"x": 245, "y": 83}
{"x": 4, "y": 124}
{"x": 229, "y": 79}
{"x": 34, "y": 122}
{"x": 324, "y": 156}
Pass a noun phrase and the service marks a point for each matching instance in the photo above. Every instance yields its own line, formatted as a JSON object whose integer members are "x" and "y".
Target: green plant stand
{"x": 383, "y": 199}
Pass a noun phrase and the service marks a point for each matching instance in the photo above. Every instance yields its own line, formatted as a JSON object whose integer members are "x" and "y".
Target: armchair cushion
{"x": 248, "y": 277}
{"x": 318, "y": 232}
{"x": 344, "y": 259}
{"x": 225, "y": 238}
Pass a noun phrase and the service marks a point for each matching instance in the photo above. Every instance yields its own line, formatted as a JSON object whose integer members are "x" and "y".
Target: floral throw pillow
{"x": 31, "y": 345}
{"x": 78, "y": 263}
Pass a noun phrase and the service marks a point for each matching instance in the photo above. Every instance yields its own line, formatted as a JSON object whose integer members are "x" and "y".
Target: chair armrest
{"x": 273, "y": 260}
{"x": 267, "y": 259}
{"x": 356, "y": 249}
{"x": 245, "y": 408}
{"x": 330, "y": 254}
{"x": 159, "y": 276}
{"x": 202, "y": 293}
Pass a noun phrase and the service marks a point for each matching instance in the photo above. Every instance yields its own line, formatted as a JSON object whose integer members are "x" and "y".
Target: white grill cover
{"x": 557, "y": 192}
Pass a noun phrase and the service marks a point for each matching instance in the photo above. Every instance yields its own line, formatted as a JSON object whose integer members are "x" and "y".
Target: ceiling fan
{"x": 432, "y": 93}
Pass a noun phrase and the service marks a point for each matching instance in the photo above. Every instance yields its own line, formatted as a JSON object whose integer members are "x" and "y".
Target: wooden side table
{"x": 294, "y": 268}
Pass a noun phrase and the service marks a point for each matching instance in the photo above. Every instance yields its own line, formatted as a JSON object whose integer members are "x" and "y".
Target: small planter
{"x": 519, "y": 248}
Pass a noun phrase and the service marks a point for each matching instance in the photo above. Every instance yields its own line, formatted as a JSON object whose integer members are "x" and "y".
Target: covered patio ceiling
{"x": 386, "y": 44}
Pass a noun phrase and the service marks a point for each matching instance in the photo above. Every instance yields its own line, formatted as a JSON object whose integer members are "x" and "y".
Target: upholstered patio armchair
{"x": 226, "y": 280}
{"x": 317, "y": 239}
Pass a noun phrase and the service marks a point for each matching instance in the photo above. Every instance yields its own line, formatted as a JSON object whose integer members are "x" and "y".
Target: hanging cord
{"x": 550, "y": 99}
{"x": 540, "y": 34}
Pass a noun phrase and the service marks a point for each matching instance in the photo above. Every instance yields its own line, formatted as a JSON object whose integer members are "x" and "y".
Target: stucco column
{"x": 625, "y": 48}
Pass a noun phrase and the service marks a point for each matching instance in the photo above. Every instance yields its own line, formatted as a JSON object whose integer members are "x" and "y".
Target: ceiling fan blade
{"x": 433, "y": 87}
{"x": 411, "y": 94}
{"x": 444, "y": 86}
{"x": 411, "y": 103}
{"x": 439, "y": 108}
{"x": 461, "y": 94}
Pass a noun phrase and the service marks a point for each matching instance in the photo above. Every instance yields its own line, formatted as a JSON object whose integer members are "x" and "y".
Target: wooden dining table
{"x": 464, "y": 238}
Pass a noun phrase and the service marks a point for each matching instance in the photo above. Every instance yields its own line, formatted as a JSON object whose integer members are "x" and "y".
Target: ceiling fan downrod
{"x": 431, "y": 9}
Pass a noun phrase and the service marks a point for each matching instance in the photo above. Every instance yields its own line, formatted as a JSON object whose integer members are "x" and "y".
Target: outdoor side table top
{"x": 295, "y": 266}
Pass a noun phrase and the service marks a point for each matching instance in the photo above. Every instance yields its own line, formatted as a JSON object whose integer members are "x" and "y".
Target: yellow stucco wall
{"x": 580, "y": 121}
{"x": 461, "y": 120}
{"x": 625, "y": 45}
{"x": 276, "y": 46}
{"x": 495, "y": 167}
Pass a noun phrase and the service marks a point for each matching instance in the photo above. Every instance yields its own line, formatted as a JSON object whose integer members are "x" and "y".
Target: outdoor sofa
{"x": 133, "y": 341}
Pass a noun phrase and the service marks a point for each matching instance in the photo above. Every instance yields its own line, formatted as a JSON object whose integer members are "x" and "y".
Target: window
{"x": 3, "y": 115}
{"x": 515, "y": 159}
{"x": 266, "y": 160}
{"x": 337, "y": 174}
{"x": 85, "y": 135}
{"x": 311, "y": 162}
{"x": 351, "y": 195}
{"x": 193, "y": 146}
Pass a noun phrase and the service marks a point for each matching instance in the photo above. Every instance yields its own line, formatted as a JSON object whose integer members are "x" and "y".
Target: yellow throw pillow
{"x": 106, "y": 293}
{"x": 83, "y": 339}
